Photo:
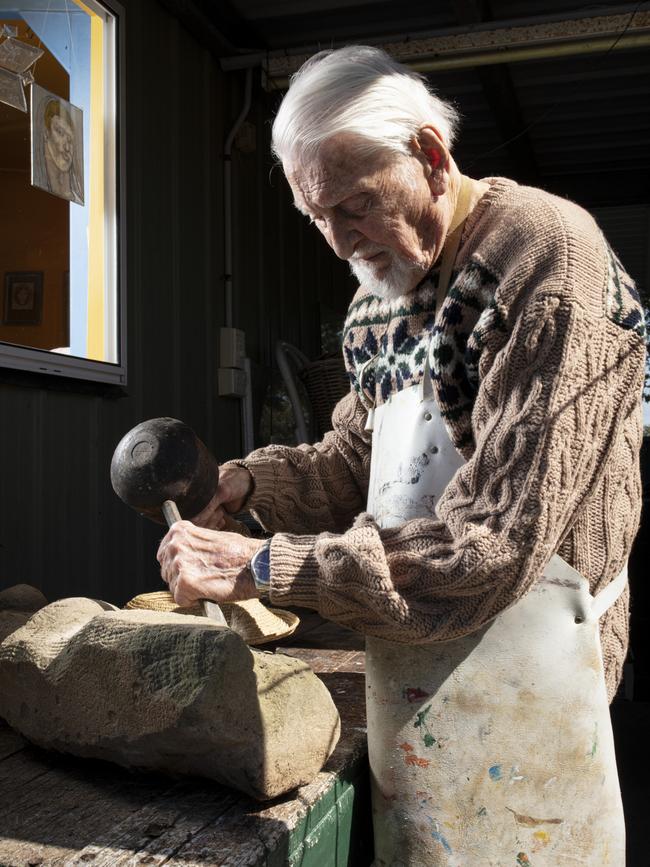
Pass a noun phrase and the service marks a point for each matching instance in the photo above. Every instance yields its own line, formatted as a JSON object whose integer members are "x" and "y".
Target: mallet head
{"x": 163, "y": 459}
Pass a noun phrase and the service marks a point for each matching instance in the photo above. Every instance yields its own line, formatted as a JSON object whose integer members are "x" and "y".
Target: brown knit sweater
{"x": 546, "y": 369}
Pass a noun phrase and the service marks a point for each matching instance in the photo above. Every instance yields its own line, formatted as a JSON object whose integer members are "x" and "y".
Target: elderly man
{"x": 496, "y": 353}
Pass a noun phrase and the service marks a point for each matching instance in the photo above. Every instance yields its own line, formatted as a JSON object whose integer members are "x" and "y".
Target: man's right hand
{"x": 235, "y": 484}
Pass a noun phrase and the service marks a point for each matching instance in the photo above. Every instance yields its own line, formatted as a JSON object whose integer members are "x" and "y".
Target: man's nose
{"x": 342, "y": 236}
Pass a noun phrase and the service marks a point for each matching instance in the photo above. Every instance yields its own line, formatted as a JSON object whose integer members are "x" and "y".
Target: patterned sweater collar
{"x": 385, "y": 342}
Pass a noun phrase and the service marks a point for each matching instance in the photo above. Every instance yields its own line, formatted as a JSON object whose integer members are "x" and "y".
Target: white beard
{"x": 400, "y": 278}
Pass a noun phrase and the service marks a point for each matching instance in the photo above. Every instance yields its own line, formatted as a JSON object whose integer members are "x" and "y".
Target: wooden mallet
{"x": 162, "y": 470}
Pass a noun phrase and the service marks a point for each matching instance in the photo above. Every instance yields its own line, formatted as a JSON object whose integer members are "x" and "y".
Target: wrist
{"x": 260, "y": 568}
{"x": 250, "y": 591}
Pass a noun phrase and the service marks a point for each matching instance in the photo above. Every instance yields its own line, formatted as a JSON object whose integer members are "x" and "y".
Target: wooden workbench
{"x": 59, "y": 810}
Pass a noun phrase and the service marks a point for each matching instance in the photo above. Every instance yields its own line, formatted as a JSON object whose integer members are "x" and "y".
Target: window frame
{"x": 44, "y": 361}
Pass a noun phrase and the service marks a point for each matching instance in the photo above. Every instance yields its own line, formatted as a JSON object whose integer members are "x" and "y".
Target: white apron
{"x": 493, "y": 750}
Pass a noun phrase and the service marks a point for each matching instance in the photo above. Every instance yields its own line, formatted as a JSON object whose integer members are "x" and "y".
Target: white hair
{"x": 359, "y": 90}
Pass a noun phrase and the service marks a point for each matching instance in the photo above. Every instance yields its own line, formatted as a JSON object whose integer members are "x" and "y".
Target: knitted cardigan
{"x": 538, "y": 365}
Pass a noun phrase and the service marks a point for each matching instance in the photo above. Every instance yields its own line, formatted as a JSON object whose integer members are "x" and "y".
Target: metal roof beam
{"x": 485, "y": 45}
{"x": 217, "y": 26}
{"x": 501, "y": 96}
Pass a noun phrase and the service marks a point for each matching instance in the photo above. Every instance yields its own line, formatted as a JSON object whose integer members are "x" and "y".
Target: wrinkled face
{"x": 60, "y": 143}
{"x": 379, "y": 214}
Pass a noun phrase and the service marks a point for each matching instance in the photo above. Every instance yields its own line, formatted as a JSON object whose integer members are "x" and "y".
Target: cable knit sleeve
{"x": 314, "y": 488}
{"x": 546, "y": 421}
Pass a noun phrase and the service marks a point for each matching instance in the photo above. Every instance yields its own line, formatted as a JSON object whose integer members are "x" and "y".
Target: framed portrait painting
{"x": 57, "y": 145}
{"x": 23, "y": 301}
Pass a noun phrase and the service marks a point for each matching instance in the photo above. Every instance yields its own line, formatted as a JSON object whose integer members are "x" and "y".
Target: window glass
{"x": 58, "y": 242}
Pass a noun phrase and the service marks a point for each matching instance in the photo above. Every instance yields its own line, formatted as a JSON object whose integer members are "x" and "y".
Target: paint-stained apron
{"x": 496, "y": 749}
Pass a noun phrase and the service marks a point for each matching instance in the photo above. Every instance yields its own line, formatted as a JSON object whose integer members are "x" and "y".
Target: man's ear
{"x": 432, "y": 152}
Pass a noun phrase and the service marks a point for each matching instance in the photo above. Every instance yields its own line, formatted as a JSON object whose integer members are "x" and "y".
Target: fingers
{"x": 175, "y": 573}
{"x": 235, "y": 485}
{"x": 178, "y": 537}
{"x": 212, "y": 517}
{"x": 184, "y": 591}
{"x": 200, "y": 563}
{"x": 169, "y": 557}
{"x": 216, "y": 548}
{"x": 189, "y": 559}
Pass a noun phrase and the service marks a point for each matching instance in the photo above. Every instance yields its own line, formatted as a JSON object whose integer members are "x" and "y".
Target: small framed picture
{"x": 57, "y": 146}
{"x": 23, "y": 298}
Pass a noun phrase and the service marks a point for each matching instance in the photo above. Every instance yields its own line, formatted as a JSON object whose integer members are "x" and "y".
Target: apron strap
{"x": 452, "y": 241}
{"x": 368, "y": 403}
{"x": 558, "y": 567}
{"x": 449, "y": 253}
{"x": 608, "y": 596}
{"x": 426, "y": 383}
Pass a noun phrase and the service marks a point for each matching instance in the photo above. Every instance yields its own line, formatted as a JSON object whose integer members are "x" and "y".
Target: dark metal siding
{"x": 627, "y": 229}
{"x": 283, "y": 269}
{"x": 61, "y": 526}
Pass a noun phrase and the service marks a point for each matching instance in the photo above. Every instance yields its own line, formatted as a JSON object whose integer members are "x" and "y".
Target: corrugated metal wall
{"x": 61, "y": 526}
{"x": 283, "y": 269}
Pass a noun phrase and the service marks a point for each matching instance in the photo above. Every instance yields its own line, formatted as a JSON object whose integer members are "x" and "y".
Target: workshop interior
{"x": 165, "y": 308}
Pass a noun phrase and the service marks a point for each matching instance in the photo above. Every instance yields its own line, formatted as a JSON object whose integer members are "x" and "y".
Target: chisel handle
{"x": 171, "y": 513}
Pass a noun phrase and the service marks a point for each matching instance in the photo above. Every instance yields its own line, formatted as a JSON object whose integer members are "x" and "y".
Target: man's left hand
{"x": 198, "y": 563}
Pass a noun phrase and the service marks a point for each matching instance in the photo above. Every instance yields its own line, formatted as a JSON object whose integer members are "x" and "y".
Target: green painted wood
{"x": 337, "y": 830}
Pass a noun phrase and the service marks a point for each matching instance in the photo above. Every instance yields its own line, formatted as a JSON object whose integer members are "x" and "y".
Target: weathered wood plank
{"x": 231, "y": 841}
{"x": 16, "y": 772}
{"x": 253, "y": 835}
{"x": 59, "y": 781}
{"x": 316, "y": 632}
{"x": 156, "y": 832}
{"x": 324, "y": 661}
{"x": 10, "y": 741}
{"x": 71, "y": 806}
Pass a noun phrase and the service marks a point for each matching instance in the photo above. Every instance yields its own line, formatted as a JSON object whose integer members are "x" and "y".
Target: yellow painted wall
{"x": 96, "y": 288}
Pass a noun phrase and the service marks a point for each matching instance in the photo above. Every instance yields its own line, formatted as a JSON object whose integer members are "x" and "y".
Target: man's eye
{"x": 356, "y": 206}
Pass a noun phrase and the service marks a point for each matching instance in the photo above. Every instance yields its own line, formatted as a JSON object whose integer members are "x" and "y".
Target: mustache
{"x": 368, "y": 253}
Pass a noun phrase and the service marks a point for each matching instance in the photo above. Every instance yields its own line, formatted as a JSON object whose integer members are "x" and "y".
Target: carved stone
{"x": 169, "y": 692}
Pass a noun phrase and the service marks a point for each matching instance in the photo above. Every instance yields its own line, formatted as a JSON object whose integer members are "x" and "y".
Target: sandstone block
{"x": 170, "y": 692}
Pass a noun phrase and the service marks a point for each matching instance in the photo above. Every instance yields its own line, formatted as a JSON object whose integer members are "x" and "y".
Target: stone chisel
{"x": 210, "y": 609}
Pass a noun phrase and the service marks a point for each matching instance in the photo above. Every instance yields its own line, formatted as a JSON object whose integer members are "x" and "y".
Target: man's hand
{"x": 198, "y": 563}
{"x": 235, "y": 484}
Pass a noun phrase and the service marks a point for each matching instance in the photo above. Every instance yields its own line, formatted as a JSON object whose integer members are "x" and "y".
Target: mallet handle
{"x": 210, "y": 609}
